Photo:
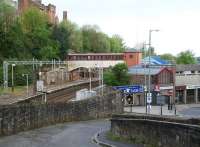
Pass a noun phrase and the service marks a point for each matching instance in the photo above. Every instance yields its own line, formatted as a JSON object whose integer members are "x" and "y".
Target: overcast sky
{"x": 177, "y": 20}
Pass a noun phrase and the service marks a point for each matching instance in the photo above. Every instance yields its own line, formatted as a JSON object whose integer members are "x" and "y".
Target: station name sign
{"x": 130, "y": 89}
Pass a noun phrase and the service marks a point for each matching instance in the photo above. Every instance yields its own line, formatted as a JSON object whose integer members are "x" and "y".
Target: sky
{"x": 177, "y": 20}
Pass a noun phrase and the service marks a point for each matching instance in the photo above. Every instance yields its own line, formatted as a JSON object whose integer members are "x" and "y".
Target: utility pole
{"x": 145, "y": 78}
{"x": 102, "y": 81}
{"x": 26, "y": 83}
{"x": 149, "y": 81}
{"x": 90, "y": 79}
{"x": 13, "y": 65}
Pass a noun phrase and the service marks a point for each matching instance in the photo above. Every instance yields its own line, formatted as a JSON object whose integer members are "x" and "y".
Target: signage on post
{"x": 130, "y": 89}
{"x": 149, "y": 98}
{"x": 160, "y": 100}
{"x": 40, "y": 86}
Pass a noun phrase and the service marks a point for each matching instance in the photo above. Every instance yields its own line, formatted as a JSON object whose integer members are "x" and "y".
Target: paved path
{"x": 187, "y": 110}
{"x": 77, "y": 134}
{"x": 193, "y": 112}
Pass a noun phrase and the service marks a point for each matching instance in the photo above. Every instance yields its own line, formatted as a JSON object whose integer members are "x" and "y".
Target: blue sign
{"x": 130, "y": 89}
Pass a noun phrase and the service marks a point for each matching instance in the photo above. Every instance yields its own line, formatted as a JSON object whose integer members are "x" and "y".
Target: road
{"x": 77, "y": 134}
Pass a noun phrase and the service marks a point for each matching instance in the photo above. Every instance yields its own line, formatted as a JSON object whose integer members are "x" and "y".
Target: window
{"x": 130, "y": 56}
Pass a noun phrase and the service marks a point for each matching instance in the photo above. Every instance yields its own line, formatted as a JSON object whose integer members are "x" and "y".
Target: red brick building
{"x": 79, "y": 64}
{"x": 50, "y": 9}
{"x": 132, "y": 58}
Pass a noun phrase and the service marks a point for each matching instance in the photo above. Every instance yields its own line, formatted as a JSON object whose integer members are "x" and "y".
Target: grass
{"x": 18, "y": 90}
{"x": 116, "y": 138}
{"x": 136, "y": 140}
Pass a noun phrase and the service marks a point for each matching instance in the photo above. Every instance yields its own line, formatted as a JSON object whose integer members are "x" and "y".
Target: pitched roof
{"x": 188, "y": 67}
{"x": 155, "y": 60}
{"x": 140, "y": 70}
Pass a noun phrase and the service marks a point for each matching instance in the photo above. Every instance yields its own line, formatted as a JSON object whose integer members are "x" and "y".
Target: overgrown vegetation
{"x": 117, "y": 75}
{"x": 29, "y": 35}
{"x": 131, "y": 140}
{"x": 185, "y": 57}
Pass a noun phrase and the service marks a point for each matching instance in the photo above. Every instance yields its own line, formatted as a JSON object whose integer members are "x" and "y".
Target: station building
{"x": 80, "y": 64}
{"x": 162, "y": 76}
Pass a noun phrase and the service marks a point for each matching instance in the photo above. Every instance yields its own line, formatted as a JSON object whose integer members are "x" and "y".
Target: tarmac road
{"x": 76, "y": 134}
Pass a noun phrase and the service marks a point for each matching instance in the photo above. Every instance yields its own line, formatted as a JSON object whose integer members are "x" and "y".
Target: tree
{"x": 118, "y": 75}
{"x": 186, "y": 57}
{"x": 38, "y": 34}
{"x": 7, "y": 19}
{"x": 94, "y": 40}
{"x": 69, "y": 36}
{"x": 89, "y": 34}
{"x": 169, "y": 57}
{"x": 116, "y": 44}
{"x": 102, "y": 43}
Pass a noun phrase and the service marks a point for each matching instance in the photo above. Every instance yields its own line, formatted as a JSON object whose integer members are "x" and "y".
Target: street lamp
{"x": 90, "y": 79}
{"x": 26, "y": 82}
{"x": 149, "y": 84}
{"x": 13, "y": 65}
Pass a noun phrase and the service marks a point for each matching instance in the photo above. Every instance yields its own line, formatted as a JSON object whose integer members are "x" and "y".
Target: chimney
{"x": 64, "y": 15}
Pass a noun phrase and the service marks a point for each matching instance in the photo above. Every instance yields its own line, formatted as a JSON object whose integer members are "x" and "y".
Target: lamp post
{"x": 26, "y": 82}
{"x": 149, "y": 81}
{"x": 13, "y": 65}
{"x": 145, "y": 78}
{"x": 90, "y": 79}
{"x": 102, "y": 82}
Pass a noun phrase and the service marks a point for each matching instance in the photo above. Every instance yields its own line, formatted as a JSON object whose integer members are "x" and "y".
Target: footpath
{"x": 156, "y": 110}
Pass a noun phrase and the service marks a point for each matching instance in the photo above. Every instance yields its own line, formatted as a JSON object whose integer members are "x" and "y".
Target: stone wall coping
{"x": 171, "y": 119}
{"x": 156, "y": 121}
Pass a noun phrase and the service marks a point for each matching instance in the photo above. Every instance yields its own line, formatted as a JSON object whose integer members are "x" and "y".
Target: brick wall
{"x": 132, "y": 58}
{"x": 17, "y": 118}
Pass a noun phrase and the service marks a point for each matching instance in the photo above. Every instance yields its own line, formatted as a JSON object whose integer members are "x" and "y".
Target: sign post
{"x": 149, "y": 101}
{"x": 161, "y": 102}
{"x": 128, "y": 90}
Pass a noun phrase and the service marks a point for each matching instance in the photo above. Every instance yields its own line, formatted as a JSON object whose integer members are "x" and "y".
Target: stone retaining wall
{"x": 16, "y": 118}
{"x": 157, "y": 132}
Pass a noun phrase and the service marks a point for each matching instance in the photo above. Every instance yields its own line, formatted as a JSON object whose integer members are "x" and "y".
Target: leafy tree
{"x": 116, "y": 44}
{"x": 37, "y": 33}
{"x": 118, "y": 75}
{"x": 75, "y": 38}
{"x": 49, "y": 52}
{"x": 69, "y": 36}
{"x": 168, "y": 57}
{"x": 7, "y": 19}
{"x": 89, "y": 34}
{"x": 94, "y": 40}
{"x": 102, "y": 43}
{"x": 186, "y": 57}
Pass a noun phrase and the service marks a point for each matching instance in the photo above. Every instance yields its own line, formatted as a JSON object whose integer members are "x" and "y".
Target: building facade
{"x": 49, "y": 9}
{"x": 188, "y": 83}
{"x": 79, "y": 64}
{"x": 161, "y": 81}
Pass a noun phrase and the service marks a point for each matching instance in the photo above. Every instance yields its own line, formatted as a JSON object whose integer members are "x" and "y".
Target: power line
{"x": 33, "y": 62}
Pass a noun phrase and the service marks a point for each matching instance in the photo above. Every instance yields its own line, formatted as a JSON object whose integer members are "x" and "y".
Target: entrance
{"x": 190, "y": 95}
{"x": 180, "y": 96}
